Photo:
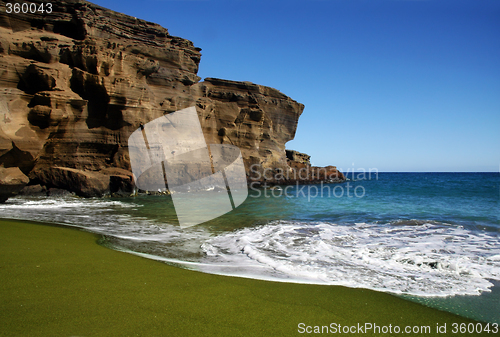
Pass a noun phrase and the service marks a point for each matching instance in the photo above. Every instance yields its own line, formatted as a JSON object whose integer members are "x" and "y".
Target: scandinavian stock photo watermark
{"x": 369, "y": 328}
{"x": 171, "y": 153}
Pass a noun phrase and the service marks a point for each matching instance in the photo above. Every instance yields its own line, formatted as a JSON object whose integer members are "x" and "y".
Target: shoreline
{"x": 59, "y": 281}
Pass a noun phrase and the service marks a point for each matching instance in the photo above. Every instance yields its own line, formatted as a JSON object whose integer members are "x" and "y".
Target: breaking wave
{"x": 403, "y": 257}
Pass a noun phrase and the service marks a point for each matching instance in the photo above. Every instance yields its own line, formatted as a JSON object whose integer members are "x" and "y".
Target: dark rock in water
{"x": 12, "y": 180}
{"x": 39, "y": 190}
{"x": 121, "y": 185}
{"x": 58, "y": 192}
{"x": 34, "y": 190}
{"x": 433, "y": 265}
{"x": 76, "y": 83}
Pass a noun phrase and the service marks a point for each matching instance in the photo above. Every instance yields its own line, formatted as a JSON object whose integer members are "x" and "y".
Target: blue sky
{"x": 395, "y": 85}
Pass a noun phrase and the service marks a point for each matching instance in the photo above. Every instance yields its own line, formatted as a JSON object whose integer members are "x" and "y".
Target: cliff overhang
{"x": 78, "y": 81}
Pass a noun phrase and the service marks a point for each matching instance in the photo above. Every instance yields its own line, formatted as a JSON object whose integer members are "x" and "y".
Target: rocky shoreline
{"x": 77, "y": 82}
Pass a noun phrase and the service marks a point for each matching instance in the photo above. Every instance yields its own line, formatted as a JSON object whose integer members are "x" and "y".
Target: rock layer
{"x": 77, "y": 82}
{"x": 257, "y": 119}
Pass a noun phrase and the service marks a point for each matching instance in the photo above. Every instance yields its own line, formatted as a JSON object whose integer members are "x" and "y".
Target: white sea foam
{"x": 404, "y": 257}
{"x": 60, "y": 203}
{"x": 418, "y": 258}
{"x": 106, "y": 217}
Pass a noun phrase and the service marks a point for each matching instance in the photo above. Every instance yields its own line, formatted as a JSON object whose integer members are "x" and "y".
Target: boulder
{"x": 12, "y": 180}
{"x": 82, "y": 183}
{"x": 34, "y": 190}
{"x": 121, "y": 182}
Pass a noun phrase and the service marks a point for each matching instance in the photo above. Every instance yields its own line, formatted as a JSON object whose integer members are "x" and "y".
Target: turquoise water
{"x": 429, "y": 237}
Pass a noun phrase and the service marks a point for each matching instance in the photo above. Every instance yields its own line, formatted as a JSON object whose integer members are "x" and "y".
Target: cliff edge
{"x": 78, "y": 81}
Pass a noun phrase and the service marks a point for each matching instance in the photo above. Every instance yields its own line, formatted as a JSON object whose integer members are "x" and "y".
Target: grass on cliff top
{"x": 58, "y": 282}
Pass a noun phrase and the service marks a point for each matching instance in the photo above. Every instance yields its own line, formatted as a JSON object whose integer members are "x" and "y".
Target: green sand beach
{"x": 59, "y": 282}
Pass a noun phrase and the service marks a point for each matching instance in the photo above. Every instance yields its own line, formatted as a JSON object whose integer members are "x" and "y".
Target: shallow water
{"x": 430, "y": 237}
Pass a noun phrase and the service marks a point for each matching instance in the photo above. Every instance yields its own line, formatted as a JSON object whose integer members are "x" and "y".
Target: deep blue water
{"x": 472, "y": 199}
{"x": 429, "y": 237}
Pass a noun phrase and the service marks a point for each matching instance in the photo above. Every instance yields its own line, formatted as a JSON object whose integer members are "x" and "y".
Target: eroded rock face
{"x": 297, "y": 157}
{"x": 257, "y": 119}
{"x": 77, "y": 82}
{"x": 12, "y": 180}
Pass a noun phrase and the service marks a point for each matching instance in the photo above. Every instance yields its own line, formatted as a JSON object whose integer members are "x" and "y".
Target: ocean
{"x": 433, "y": 238}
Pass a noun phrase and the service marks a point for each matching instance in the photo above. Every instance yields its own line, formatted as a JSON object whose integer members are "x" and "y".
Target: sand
{"x": 58, "y": 281}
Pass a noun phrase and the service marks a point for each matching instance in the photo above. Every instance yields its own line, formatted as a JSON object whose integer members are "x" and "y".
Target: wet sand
{"x": 59, "y": 282}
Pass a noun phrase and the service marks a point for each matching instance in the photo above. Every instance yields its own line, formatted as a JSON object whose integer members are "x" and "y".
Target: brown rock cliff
{"x": 77, "y": 82}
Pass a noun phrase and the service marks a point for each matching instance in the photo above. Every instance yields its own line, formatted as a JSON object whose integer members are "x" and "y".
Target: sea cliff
{"x": 78, "y": 81}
